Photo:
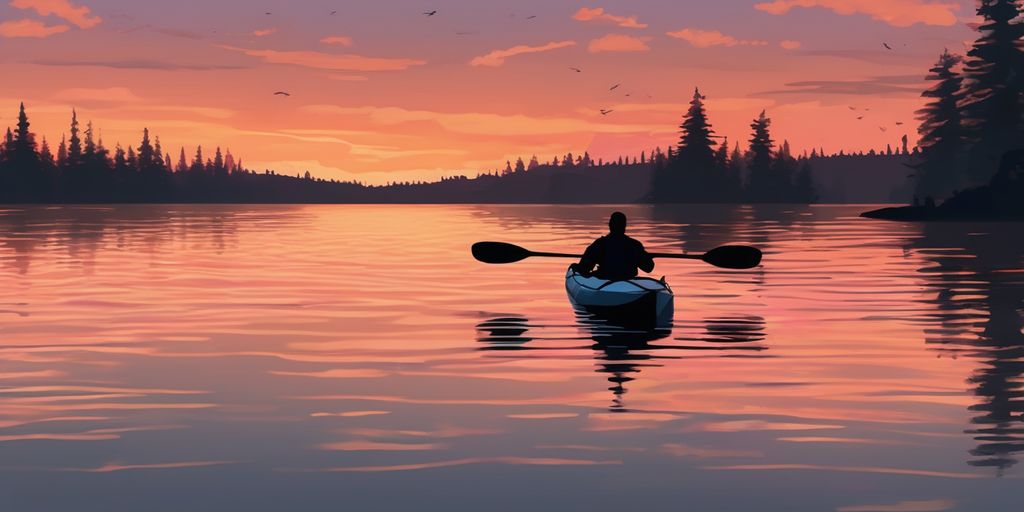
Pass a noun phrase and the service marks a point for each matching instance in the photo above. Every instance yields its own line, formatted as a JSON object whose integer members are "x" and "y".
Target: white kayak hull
{"x": 641, "y": 299}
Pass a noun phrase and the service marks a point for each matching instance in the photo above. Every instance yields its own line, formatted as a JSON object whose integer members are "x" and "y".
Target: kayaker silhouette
{"x": 616, "y": 256}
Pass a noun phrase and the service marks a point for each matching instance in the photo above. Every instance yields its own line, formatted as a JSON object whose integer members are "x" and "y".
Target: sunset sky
{"x": 380, "y": 91}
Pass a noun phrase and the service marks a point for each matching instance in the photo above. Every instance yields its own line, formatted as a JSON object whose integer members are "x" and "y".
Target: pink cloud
{"x": 619, "y": 43}
{"x": 599, "y": 14}
{"x": 264, "y": 32}
{"x": 338, "y": 40}
{"x": 708, "y": 38}
{"x": 497, "y": 57}
{"x": 79, "y": 15}
{"x": 898, "y": 13}
{"x": 319, "y": 60}
{"x": 30, "y": 28}
{"x": 790, "y": 45}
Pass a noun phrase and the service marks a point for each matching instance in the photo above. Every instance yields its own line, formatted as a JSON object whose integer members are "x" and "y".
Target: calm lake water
{"x": 324, "y": 358}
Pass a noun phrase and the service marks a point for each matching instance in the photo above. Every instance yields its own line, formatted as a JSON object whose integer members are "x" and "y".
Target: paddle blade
{"x": 737, "y": 257}
{"x": 499, "y": 253}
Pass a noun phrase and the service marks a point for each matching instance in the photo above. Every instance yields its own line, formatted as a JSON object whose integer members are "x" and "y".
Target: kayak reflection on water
{"x": 616, "y": 256}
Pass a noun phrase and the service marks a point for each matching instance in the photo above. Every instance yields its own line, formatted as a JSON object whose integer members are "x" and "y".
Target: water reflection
{"x": 337, "y": 353}
{"x": 621, "y": 347}
{"x": 82, "y": 231}
{"x": 504, "y": 333}
{"x": 976, "y": 276}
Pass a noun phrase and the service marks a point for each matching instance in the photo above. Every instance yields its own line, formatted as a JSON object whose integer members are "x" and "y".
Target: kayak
{"x": 637, "y": 300}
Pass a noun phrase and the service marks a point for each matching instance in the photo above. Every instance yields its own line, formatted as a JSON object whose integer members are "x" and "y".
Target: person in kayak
{"x": 616, "y": 256}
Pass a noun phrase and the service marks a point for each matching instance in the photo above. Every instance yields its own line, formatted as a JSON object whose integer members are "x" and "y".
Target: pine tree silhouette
{"x": 993, "y": 81}
{"x": 74, "y": 158}
{"x": 696, "y": 149}
{"x": 761, "y": 146}
{"x": 941, "y": 168}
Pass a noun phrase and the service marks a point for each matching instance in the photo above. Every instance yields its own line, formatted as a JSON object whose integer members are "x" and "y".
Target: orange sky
{"x": 382, "y": 92}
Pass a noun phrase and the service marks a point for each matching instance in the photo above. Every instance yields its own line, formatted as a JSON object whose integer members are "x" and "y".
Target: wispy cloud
{"x": 479, "y": 123}
{"x": 116, "y": 466}
{"x": 903, "y": 506}
{"x": 873, "y": 86}
{"x": 898, "y": 13}
{"x": 137, "y": 64}
{"x": 78, "y": 15}
{"x": 345, "y": 41}
{"x": 790, "y": 45}
{"x": 89, "y": 95}
{"x": 30, "y": 28}
{"x": 320, "y": 60}
{"x": 497, "y": 57}
{"x": 619, "y": 43}
{"x": 707, "y": 38}
{"x": 264, "y": 32}
{"x": 599, "y": 14}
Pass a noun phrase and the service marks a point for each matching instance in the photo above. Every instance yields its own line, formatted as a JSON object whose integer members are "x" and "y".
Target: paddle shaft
{"x": 653, "y": 255}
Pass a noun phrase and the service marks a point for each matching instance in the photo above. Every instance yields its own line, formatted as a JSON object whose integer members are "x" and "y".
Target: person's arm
{"x": 646, "y": 262}
{"x": 589, "y": 259}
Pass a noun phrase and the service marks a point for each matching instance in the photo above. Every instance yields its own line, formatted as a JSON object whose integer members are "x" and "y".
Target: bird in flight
{"x": 882, "y": 128}
{"x": 530, "y": 17}
{"x": 899, "y": 123}
{"x": 887, "y": 47}
{"x": 430, "y": 13}
{"x": 859, "y": 118}
{"x": 606, "y": 112}
{"x": 281, "y": 93}
{"x": 578, "y": 70}
{"x": 616, "y": 86}
{"x": 333, "y": 13}
{"x": 853, "y": 108}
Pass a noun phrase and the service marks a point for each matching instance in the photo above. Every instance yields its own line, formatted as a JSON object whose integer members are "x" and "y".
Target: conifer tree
{"x": 520, "y": 165}
{"x": 941, "y": 169}
{"x": 158, "y": 152}
{"x": 22, "y": 154}
{"x": 45, "y": 155}
{"x": 147, "y": 156}
{"x": 62, "y": 152}
{"x": 761, "y": 147}
{"x": 722, "y": 154}
{"x": 993, "y": 84}
{"x": 182, "y": 163}
{"x": 120, "y": 160}
{"x": 74, "y": 158}
{"x": 218, "y": 163}
{"x": 89, "y": 151}
{"x": 197, "y": 162}
{"x": 696, "y": 149}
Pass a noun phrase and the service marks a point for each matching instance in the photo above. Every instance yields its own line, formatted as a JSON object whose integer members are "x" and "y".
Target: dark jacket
{"x": 617, "y": 258}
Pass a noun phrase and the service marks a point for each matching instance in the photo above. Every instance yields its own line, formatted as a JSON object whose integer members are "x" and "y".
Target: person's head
{"x": 617, "y": 224}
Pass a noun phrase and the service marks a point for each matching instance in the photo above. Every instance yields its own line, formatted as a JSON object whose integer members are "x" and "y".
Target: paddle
{"x": 737, "y": 257}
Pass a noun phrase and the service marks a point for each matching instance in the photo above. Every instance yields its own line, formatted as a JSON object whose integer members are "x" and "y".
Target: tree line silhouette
{"x": 703, "y": 171}
{"x": 84, "y": 170}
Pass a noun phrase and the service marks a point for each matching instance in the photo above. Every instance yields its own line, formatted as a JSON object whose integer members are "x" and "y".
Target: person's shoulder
{"x": 634, "y": 241}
